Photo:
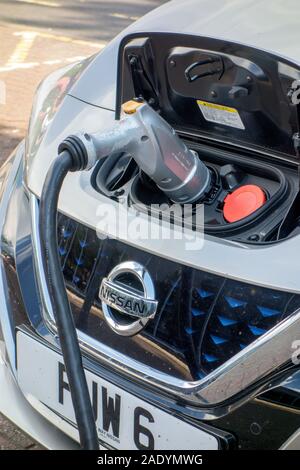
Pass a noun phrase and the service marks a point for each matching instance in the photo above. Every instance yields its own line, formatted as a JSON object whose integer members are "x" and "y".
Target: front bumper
{"x": 22, "y": 306}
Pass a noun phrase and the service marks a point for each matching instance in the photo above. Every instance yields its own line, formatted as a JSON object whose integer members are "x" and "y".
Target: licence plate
{"x": 123, "y": 420}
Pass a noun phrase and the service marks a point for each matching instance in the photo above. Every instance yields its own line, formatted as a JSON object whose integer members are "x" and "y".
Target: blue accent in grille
{"x": 226, "y": 321}
{"x": 234, "y": 303}
{"x": 257, "y": 331}
{"x": 210, "y": 358}
{"x": 189, "y": 331}
{"x": 242, "y": 346}
{"x": 204, "y": 293}
{"x": 67, "y": 234}
{"x": 276, "y": 296}
{"x": 217, "y": 340}
{"x": 76, "y": 279}
{"x": 198, "y": 313}
{"x": 268, "y": 312}
{"x": 79, "y": 261}
{"x": 62, "y": 251}
{"x": 83, "y": 243}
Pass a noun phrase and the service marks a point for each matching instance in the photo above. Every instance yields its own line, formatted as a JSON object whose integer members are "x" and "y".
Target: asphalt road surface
{"x": 85, "y": 19}
{"x": 37, "y": 37}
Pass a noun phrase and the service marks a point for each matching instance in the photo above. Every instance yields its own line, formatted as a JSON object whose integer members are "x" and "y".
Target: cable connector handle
{"x": 81, "y": 149}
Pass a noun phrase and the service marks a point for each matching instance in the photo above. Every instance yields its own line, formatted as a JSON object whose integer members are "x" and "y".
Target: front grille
{"x": 202, "y": 319}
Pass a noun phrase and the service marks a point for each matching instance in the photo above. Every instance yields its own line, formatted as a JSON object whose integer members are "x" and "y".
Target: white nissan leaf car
{"x": 150, "y": 239}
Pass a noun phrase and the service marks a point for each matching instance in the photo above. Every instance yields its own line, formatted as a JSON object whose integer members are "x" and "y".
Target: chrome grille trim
{"x": 248, "y": 368}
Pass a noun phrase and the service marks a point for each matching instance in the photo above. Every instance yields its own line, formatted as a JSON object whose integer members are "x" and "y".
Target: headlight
{"x": 48, "y": 98}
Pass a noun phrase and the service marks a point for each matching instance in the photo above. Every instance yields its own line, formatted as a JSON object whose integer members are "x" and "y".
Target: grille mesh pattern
{"x": 205, "y": 318}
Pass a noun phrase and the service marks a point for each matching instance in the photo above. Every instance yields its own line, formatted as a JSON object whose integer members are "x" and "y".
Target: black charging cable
{"x": 72, "y": 157}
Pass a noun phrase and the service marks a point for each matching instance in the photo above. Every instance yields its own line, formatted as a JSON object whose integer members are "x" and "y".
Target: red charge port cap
{"x": 243, "y": 202}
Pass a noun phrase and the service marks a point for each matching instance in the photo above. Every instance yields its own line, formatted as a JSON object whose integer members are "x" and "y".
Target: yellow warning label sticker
{"x": 221, "y": 114}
